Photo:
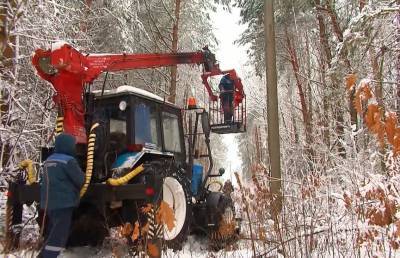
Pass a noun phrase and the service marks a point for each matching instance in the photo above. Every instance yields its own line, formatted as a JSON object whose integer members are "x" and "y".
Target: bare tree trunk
{"x": 260, "y": 141}
{"x": 325, "y": 61}
{"x": 337, "y": 30}
{"x": 10, "y": 11}
{"x": 296, "y": 135}
{"x": 334, "y": 20}
{"x": 292, "y": 111}
{"x": 362, "y": 4}
{"x": 258, "y": 145}
{"x": 339, "y": 35}
{"x": 84, "y": 25}
{"x": 340, "y": 128}
{"x": 175, "y": 28}
{"x": 7, "y": 48}
{"x": 377, "y": 73}
{"x": 398, "y": 62}
{"x": 309, "y": 89}
{"x": 296, "y": 70}
{"x": 323, "y": 38}
{"x": 7, "y": 41}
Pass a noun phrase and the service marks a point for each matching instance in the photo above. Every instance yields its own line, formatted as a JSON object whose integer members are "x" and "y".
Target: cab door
{"x": 172, "y": 131}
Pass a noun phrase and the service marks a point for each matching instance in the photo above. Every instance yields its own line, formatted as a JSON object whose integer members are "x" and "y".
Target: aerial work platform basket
{"x": 221, "y": 124}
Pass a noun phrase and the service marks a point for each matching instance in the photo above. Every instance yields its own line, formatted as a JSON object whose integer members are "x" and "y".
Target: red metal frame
{"x": 238, "y": 86}
{"x": 239, "y": 114}
{"x": 68, "y": 70}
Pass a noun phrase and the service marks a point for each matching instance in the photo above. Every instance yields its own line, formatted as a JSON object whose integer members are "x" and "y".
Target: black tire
{"x": 156, "y": 235}
{"x": 176, "y": 243}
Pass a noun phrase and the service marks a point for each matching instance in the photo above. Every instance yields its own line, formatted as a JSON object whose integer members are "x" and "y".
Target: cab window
{"x": 114, "y": 124}
{"x": 146, "y": 124}
{"x": 117, "y": 126}
{"x": 171, "y": 131}
{"x": 117, "y": 118}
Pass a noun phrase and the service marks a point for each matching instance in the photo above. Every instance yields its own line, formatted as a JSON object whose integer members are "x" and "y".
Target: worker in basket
{"x": 59, "y": 194}
{"x": 226, "y": 87}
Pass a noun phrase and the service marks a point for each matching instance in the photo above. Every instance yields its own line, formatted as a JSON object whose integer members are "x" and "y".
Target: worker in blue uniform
{"x": 226, "y": 87}
{"x": 59, "y": 193}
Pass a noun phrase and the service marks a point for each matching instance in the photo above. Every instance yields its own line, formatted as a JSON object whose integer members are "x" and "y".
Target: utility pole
{"x": 272, "y": 108}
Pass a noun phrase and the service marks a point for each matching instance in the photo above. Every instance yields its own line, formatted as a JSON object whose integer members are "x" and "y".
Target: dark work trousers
{"x": 227, "y": 106}
{"x": 59, "y": 226}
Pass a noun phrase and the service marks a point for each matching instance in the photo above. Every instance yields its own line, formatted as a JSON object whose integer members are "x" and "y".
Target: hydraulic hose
{"x": 125, "y": 179}
{"x": 89, "y": 159}
{"x": 59, "y": 125}
{"x": 28, "y": 165}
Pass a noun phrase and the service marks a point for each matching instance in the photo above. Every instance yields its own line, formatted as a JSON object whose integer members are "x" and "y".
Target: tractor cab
{"x": 135, "y": 125}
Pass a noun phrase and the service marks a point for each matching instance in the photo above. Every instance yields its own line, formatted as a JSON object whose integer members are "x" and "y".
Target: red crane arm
{"x": 102, "y": 63}
{"x": 90, "y": 66}
{"x": 68, "y": 70}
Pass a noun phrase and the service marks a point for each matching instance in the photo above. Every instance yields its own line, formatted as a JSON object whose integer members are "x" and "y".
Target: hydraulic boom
{"x": 68, "y": 71}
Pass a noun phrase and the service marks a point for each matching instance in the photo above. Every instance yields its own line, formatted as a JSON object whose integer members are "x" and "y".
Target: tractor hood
{"x": 126, "y": 161}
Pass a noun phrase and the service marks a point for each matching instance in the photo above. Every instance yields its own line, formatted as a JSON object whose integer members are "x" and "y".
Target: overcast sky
{"x": 227, "y": 30}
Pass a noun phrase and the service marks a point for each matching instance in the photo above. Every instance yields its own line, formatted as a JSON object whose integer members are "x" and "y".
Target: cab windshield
{"x": 146, "y": 126}
{"x": 172, "y": 139}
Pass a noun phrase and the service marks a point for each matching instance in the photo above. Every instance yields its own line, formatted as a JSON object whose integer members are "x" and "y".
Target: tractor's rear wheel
{"x": 176, "y": 193}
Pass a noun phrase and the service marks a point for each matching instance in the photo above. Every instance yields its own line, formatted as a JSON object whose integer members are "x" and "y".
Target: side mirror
{"x": 205, "y": 123}
{"x": 221, "y": 171}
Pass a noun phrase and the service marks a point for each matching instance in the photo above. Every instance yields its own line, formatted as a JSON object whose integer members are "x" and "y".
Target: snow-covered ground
{"x": 194, "y": 247}
{"x": 112, "y": 247}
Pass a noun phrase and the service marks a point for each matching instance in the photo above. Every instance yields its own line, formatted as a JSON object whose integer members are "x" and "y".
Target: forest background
{"x": 339, "y": 103}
